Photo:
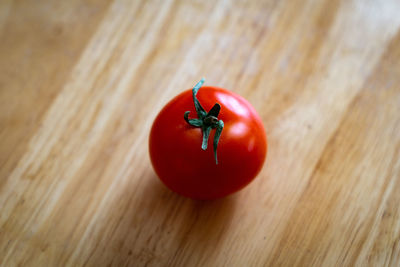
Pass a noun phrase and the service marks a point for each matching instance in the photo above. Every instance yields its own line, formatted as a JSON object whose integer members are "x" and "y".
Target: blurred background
{"x": 82, "y": 81}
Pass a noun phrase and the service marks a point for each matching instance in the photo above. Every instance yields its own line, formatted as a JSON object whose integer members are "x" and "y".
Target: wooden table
{"x": 81, "y": 82}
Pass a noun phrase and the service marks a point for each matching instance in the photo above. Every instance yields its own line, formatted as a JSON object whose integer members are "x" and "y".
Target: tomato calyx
{"x": 206, "y": 120}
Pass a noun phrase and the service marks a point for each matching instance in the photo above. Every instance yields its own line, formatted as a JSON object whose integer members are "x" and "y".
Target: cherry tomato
{"x": 176, "y": 146}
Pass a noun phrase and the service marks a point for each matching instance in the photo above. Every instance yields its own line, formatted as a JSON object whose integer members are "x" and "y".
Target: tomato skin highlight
{"x": 181, "y": 164}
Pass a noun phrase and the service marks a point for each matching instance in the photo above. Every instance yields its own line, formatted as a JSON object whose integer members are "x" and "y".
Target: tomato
{"x": 185, "y": 160}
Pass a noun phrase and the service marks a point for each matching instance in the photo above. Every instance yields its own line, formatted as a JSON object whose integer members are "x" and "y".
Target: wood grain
{"x": 81, "y": 82}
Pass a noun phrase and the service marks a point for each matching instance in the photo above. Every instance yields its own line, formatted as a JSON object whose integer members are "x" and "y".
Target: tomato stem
{"x": 206, "y": 120}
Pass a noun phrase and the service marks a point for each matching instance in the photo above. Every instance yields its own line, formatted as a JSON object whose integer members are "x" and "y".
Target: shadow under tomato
{"x": 160, "y": 227}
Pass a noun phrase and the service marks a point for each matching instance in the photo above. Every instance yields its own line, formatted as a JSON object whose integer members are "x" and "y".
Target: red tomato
{"x": 176, "y": 147}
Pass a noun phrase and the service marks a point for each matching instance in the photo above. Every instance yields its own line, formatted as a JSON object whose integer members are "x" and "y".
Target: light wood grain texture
{"x": 81, "y": 82}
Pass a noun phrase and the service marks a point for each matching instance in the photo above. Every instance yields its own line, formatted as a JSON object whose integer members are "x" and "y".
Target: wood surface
{"x": 81, "y": 82}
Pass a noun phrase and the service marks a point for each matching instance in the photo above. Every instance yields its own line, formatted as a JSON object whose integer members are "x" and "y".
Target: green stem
{"x": 206, "y": 121}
